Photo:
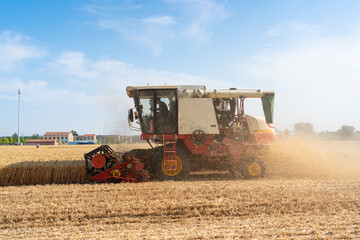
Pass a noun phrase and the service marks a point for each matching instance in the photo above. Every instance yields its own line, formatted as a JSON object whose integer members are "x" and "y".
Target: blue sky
{"x": 73, "y": 59}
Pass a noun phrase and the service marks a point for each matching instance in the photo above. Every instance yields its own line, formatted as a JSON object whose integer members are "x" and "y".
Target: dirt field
{"x": 312, "y": 191}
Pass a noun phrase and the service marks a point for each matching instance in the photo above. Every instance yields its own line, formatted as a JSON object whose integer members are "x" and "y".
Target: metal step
{"x": 170, "y": 162}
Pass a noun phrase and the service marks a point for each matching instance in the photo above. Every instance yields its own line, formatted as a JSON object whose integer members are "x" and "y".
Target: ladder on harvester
{"x": 170, "y": 162}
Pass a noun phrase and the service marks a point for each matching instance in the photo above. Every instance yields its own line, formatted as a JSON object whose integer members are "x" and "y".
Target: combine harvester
{"x": 189, "y": 128}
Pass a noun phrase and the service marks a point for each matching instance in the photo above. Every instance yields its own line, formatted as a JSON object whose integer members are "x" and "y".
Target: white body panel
{"x": 197, "y": 114}
{"x": 258, "y": 125}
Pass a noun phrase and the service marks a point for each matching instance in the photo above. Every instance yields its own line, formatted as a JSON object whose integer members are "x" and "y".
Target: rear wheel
{"x": 250, "y": 168}
{"x": 183, "y": 165}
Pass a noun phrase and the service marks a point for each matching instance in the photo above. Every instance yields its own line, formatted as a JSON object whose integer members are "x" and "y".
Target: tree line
{"x": 13, "y": 140}
{"x": 346, "y": 132}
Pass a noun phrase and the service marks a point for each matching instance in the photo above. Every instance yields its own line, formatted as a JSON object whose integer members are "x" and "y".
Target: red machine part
{"x": 98, "y": 161}
{"x": 213, "y": 148}
{"x": 198, "y": 149}
{"x": 237, "y": 149}
{"x": 139, "y": 166}
{"x": 130, "y": 170}
{"x": 127, "y": 157}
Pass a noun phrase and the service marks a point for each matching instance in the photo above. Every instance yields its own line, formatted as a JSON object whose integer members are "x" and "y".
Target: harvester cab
{"x": 195, "y": 128}
{"x": 156, "y": 111}
{"x": 184, "y": 110}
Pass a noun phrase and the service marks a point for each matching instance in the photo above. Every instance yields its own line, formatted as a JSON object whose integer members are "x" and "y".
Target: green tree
{"x": 14, "y": 138}
{"x": 346, "y": 132}
{"x": 22, "y": 140}
{"x": 303, "y": 128}
{"x": 74, "y": 132}
{"x": 35, "y": 136}
{"x": 10, "y": 140}
{"x": 6, "y": 140}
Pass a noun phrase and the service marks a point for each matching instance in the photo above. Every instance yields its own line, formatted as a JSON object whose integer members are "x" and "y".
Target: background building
{"x": 41, "y": 142}
{"x": 59, "y": 136}
{"x": 86, "y": 137}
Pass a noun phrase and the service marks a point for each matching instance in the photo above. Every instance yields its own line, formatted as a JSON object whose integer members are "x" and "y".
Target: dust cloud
{"x": 310, "y": 158}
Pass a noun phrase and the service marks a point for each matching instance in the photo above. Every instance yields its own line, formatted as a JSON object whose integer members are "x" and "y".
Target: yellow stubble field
{"x": 311, "y": 191}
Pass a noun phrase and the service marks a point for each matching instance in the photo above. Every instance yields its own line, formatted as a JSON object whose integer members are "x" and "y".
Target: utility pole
{"x": 19, "y": 118}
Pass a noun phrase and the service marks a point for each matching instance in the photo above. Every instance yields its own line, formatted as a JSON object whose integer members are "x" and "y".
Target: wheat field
{"x": 28, "y": 165}
{"x": 311, "y": 191}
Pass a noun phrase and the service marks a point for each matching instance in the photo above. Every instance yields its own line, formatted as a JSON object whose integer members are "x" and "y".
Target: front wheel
{"x": 183, "y": 165}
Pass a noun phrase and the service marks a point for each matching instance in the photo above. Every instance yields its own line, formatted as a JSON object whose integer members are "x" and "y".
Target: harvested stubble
{"x": 206, "y": 206}
{"x": 27, "y": 165}
{"x": 262, "y": 209}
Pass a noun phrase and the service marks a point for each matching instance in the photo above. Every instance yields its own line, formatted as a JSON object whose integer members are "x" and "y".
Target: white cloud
{"x": 94, "y": 9}
{"x": 162, "y": 20}
{"x": 73, "y": 63}
{"x": 293, "y": 31}
{"x": 193, "y": 21}
{"x": 203, "y": 14}
{"x": 42, "y": 93}
{"x": 316, "y": 80}
{"x": 197, "y": 32}
{"x": 15, "y": 48}
{"x": 112, "y": 76}
{"x": 13, "y": 84}
{"x": 150, "y": 34}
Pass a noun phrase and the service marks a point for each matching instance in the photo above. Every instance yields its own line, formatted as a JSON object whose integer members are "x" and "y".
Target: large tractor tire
{"x": 183, "y": 165}
{"x": 250, "y": 168}
{"x": 253, "y": 168}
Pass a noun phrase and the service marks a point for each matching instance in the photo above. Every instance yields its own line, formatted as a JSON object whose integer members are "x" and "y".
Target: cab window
{"x": 166, "y": 112}
{"x": 146, "y": 111}
{"x": 158, "y": 111}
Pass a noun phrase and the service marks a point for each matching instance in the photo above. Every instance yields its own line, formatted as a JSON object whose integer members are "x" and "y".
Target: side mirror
{"x": 131, "y": 115}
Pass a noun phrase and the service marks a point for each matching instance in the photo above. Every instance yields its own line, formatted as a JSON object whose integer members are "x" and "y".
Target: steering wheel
{"x": 198, "y": 137}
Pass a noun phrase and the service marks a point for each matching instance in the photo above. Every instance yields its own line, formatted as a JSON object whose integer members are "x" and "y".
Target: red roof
{"x": 89, "y": 135}
{"x": 57, "y": 133}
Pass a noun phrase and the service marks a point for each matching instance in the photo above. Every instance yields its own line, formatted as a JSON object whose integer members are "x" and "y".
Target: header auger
{"x": 196, "y": 128}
